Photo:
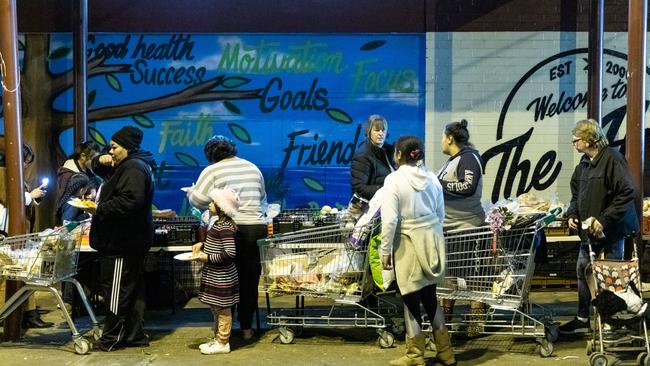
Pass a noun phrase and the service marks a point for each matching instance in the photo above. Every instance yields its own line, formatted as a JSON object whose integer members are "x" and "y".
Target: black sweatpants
{"x": 122, "y": 282}
{"x": 248, "y": 270}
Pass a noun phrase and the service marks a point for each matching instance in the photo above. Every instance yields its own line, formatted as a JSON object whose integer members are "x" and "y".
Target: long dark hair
{"x": 411, "y": 150}
{"x": 88, "y": 148}
{"x": 459, "y": 132}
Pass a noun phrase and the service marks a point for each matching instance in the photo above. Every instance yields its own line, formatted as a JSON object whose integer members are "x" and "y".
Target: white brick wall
{"x": 470, "y": 75}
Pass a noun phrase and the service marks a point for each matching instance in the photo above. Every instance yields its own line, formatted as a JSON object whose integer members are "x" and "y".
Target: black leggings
{"x": 425, "y": 296}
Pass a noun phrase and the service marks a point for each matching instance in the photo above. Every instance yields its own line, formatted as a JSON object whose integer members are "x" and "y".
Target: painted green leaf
{"x": 313, "y": 184}
{"x": 372, "y": 45}
{"x": 59, "y": 52}
{"x": 235, "y": 82}
{"x": 97, "y": 136}
{"x": 240, "y": 133}
{"x": 91, "y": 97}
{"x": 154, "y": 207}
{"x": 143, "y": 121}
{"x": 231, "y": 107}
{"x": 338, "y": 115}
{"x": 186, "y": 159}
{"x": 313, "y": 205}
{"x": 21, "y": 46}
{"x": 114, "y": 82}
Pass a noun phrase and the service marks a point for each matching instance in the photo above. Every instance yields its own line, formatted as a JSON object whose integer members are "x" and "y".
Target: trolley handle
{"x": 552, "y": 215}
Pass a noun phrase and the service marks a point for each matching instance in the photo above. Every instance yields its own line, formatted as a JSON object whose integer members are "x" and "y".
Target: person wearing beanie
{"x": 219, "y": 280}
{"x": 122, "y": 233}
{"x": 229, "y": 171}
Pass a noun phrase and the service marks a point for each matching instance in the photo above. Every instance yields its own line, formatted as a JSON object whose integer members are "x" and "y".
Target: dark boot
{"x": 32, "y": 319}
{"x": 414, "y": 352}
{"x": 443, "y": 345}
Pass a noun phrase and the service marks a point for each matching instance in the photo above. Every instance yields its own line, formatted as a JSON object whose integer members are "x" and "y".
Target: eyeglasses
{"x": 576, "y": 140}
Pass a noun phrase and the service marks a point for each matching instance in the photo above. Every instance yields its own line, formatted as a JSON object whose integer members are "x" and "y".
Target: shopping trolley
{"x": 40, "y": 260}
{"x": 628, "y": 332}
{"x": 496, "y": 270}
{"x": 330, "y": 263}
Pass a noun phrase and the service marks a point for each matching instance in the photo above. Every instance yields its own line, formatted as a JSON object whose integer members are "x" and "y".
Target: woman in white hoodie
{"x": 412, "y": 215}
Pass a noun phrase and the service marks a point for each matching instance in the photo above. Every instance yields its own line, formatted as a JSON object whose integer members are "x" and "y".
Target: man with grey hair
{"x": 601, "y": 210}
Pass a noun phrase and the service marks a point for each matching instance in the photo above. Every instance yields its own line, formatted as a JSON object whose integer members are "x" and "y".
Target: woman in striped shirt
{"x": 229, "y": 171}
{"x": 219, "y": 282}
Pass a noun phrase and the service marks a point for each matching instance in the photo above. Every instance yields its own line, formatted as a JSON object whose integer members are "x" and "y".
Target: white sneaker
{"x": 215, "y": 347}
{"x": 207, "y": 344}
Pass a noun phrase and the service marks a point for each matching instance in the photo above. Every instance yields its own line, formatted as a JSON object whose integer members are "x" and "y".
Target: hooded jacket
{"x": 412, "y": 214}
{"x": 603, "y": 188}
{"x": 123, "y": 224}
{"x": 65, "y": 172}
{"x": 370, "y": 166}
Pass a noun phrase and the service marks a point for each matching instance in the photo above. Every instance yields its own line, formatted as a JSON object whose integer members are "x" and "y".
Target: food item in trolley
{"x": 529, "y": 202}
{"x": 18, "y": 260}
{"x": 321, "y": 271}
{"x": 505, "y": 282}
{"x": 82, "y": 203}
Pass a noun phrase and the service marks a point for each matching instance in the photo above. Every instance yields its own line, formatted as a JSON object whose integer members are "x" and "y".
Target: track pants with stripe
{"x": 122, "y": 281}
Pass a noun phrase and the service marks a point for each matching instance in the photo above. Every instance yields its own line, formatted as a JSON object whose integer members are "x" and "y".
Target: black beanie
{"x": 128, "y": 137}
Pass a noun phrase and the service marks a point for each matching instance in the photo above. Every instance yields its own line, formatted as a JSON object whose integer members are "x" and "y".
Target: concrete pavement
{"x": 175, "y": 340}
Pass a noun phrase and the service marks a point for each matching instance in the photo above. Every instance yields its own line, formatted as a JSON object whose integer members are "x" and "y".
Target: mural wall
{"x": 521, "y": 93}
{"x": 294, "y": 104}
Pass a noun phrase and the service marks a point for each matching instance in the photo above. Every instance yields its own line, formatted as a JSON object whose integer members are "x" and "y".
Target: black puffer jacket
{"x": 370, "y": 166}
{"x": 123, "y": 224}
{"x": 602, "y": 188}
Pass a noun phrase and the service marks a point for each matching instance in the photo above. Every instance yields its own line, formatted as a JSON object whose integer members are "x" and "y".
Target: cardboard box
{"x": 646, "y": 224}
{"x": 557, "y": 228}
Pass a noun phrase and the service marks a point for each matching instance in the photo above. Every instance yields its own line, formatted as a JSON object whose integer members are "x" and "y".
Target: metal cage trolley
{"x": 627, "y": 331}
{"x": 330, "y": 263}
{"x": 40, "y": 260}
{"x": 496, "y": 270}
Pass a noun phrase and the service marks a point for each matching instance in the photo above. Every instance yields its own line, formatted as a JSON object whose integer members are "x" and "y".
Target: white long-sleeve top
{"x": 410, "y": 192}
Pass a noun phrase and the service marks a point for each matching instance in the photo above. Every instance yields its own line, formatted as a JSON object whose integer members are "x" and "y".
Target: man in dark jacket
{"x": 122, "y": 233}
{"x": 602, "y": 208}
{"x": 374, "y": 161}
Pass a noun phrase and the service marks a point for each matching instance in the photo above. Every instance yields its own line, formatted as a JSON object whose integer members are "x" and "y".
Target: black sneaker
{"x": 575, "y": 326}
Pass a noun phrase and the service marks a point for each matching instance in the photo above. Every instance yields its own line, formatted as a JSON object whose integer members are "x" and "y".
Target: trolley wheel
{"x": 430, "y": 345}
{"x": 81, "y": 346}
{"x": 598, "y": 359}
{"x": 544, "y": 347}
{"x": 286, "y": 335}
{"x": 642, "y": 359}
{"x": 97, "y": 332}
{"x": 386, "y": 339}
{"x": 590, "y": 347}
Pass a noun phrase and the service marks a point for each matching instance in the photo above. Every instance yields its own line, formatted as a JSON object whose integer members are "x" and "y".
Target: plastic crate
{"x": 182, "y": 230}
{"x": 300, "y": 218}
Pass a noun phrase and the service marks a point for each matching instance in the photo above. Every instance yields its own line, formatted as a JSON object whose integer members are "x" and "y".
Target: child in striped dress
{"x": 219, "y": 281}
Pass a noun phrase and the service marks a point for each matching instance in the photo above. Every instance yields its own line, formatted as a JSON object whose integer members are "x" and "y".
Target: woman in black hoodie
{"x": 373, "y": 161}
{"x": 122, "y": 233}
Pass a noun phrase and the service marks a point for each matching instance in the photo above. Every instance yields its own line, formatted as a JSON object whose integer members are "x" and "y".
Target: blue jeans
{"x": 583, "y": 268}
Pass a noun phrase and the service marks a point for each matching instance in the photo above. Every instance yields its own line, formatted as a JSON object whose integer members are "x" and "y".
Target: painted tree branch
{"x": 96, "y": 67}
{"x": 198, "y": 93}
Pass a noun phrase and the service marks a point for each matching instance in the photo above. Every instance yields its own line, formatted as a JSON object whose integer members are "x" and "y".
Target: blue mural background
{"x": 294, "y": 104}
